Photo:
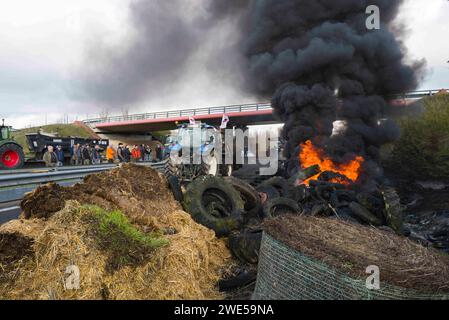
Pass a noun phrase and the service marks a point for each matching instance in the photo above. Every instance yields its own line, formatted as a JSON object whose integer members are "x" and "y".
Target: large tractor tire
{"x": 171, "y": 169}
{"x": 281, "y": 206}
{"x": 251, "y": 197}
{"x": 11, "y": 156}
{"x": 214, "y": 203}
{"x": 280, "y": 184}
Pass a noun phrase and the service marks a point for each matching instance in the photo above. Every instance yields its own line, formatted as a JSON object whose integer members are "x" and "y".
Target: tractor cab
{"x": 5, "y": 131}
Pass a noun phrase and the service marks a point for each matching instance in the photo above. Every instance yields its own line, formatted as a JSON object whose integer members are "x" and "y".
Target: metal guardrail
{"x": 13, "y": 187}
{"x": 225, "y": 109}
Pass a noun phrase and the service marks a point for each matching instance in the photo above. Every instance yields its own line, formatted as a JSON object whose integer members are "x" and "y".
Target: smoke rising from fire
{"x": 303, "y": 52}
{"x": 299, "y": 53}
{"x": 159, "y": 55}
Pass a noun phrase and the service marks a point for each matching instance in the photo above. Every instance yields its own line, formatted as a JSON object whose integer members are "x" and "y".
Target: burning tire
{"x": 281, "y": 206}
{"x": 214, "y": 203}
{"x": 250, "y": 196}
{"x": 11, "y": 157}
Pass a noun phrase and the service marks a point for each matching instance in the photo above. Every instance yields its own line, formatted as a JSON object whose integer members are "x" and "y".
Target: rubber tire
{"x": 250, "y": 196}
{"x": 280, "y": 184}
{"x": 175, "y": 187}
{"x": 243, "y": 279}
{"x": 271, "y": 192}
{"x": 194, "y": 204}
{"x": 170, "y": 169}
{"x": 16, "y": 148}
{"x": 245, "y": 246}
{"x": 269, "y": 209}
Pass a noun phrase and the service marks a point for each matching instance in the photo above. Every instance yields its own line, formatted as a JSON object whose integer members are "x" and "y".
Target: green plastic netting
{"x": 286, "y": 274}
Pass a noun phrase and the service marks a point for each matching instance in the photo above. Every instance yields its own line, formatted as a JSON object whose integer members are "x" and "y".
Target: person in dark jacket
{"x": 127, "y": 154}
{"x": 159, "y": 152}
{"x": 85, "y": 155}
{"x": 121, "y": 153}
{"x": 142, "y": 152}
{"x": 60, "y": 155}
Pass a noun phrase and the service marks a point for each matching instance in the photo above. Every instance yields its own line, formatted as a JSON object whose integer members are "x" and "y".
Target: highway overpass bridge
{"x": 239, "y": 115}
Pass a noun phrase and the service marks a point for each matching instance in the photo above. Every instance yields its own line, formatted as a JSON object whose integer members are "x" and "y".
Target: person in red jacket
{"x": 136, "y": 154}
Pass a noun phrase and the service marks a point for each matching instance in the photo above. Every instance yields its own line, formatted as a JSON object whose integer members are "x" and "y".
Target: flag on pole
{"x": 224, "y": 122}
{"x": 192, "y": 120}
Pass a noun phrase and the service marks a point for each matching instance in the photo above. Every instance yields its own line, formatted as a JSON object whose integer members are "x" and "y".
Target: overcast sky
{"x": 43, "y": 44}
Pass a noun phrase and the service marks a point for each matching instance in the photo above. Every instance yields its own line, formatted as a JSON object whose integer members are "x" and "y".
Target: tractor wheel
{"x": 171, "y": 169}
{"x": 11, "y": 157}
{"x": 214, "y": 203}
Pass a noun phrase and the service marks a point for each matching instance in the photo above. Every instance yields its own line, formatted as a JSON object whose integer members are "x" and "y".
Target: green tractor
{"x": 11, "y": 153}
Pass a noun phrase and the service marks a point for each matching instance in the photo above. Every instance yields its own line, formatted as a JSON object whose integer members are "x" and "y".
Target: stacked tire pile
{"x": 236, "y": 209}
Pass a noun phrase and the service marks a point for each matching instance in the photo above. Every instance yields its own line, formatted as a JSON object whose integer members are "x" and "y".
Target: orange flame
{"x": 311, "y": 155}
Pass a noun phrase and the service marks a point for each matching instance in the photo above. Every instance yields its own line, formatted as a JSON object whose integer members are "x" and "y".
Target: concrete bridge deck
{"x": 240, "y": 115}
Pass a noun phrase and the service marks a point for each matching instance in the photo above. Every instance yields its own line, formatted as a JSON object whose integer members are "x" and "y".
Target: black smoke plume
{"x": 156, "y": 54}
{"x": 320, "y": 63}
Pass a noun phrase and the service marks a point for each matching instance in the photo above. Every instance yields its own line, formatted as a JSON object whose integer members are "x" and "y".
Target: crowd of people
{"x": 87, "y": 155}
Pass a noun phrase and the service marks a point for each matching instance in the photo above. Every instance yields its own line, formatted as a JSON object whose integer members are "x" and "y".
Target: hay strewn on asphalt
{"x": 351, "y": 248}
{"x": 188, "y": 267}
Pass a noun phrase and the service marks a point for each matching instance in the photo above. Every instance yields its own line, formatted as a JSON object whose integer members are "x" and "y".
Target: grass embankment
{"x": 60, "y": 130}
{"x": 423, "y": 149}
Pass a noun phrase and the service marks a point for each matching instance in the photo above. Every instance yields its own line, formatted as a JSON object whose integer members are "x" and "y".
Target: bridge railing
{"x": 182, "y": 113}
{"x": 225, "y": 109}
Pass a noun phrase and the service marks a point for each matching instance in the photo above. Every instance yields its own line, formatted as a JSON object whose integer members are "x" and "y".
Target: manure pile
{"x": 122, "y": 230}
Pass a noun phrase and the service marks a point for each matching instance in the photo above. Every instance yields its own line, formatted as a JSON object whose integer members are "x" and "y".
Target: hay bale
{"x": 351, "y": 248}
{"x": 187, "y": 267}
